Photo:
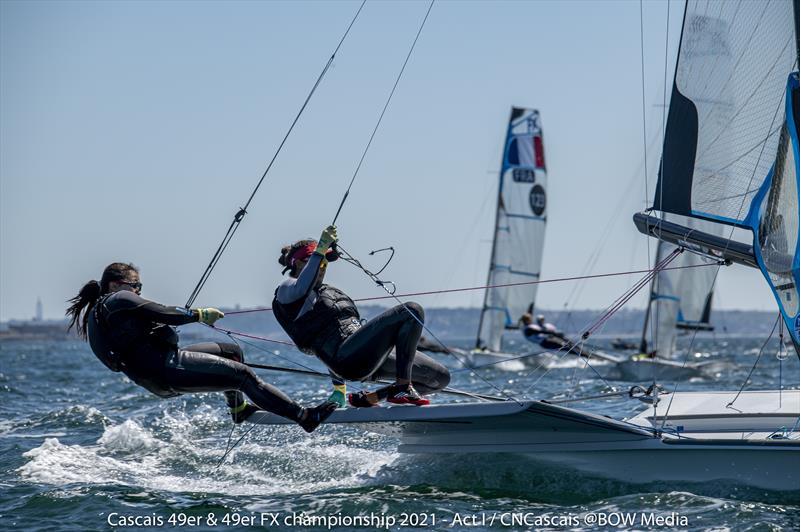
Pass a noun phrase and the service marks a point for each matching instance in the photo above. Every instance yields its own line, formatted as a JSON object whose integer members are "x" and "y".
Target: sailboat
{"x": 680, "y": 302}
{"x": 518, "y": 237}
{"x": 730, "y": 157}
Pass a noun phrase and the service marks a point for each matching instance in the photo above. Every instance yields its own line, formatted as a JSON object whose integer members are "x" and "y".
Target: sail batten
{"x": 519, "y": 228}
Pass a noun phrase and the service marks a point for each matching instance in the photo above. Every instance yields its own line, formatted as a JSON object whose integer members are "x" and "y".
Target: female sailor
{"x": 324, "y": 321}
{"x": 135, "y": 336}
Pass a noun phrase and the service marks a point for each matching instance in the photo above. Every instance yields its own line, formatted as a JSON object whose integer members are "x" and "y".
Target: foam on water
{"x": 168, "y": 456}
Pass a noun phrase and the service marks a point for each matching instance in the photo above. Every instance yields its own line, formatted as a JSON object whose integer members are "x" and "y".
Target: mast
{"x": 494, "y": 234}
{"x": 796, "y": 6}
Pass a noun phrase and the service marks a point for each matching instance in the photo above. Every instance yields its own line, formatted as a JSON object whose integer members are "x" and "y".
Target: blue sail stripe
{"x": 755, "y": 213}
{"x": 527, "y": 217}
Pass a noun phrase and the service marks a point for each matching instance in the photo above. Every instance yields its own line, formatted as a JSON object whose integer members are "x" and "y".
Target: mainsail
{"x": 730, "y": 150}
{"x": 518, "y": 230}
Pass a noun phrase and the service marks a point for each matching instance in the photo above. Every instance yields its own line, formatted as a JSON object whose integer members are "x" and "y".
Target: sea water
{"x": 82, "y": 448}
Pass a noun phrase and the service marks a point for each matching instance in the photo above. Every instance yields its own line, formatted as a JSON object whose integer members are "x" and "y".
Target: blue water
{"x": 84, "y": 449}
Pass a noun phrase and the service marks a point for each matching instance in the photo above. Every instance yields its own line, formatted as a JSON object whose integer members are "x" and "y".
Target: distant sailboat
{"x": 519, "y": 229}
{"x": 680, "y": 300}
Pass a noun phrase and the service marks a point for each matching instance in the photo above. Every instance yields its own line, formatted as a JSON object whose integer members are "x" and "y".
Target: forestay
{"x": 519, "y": 228}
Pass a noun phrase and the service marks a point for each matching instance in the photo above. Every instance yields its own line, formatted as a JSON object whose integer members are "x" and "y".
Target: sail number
{"x": 538, "y": 200}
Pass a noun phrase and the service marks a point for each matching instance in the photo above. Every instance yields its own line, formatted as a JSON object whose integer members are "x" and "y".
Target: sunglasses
{"x": 136, "y": 286}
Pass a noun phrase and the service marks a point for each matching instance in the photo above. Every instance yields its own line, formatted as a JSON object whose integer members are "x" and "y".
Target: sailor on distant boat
{"x": 135, "y": 336}
{"x": 542, "y": 333}
{"x": 324, "y": 321}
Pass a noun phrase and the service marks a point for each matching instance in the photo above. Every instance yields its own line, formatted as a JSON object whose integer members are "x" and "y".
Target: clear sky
{"x": 132, "y": 131}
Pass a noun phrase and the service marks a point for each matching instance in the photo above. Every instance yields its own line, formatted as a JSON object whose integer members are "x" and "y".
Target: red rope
{"x": 618, "y": 304}
{"x": 558, "y": 280}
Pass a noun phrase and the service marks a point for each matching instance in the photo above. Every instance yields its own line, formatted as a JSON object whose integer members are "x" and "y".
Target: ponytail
{"x": 85, "y": 299}
{"x": 91, "y": 292}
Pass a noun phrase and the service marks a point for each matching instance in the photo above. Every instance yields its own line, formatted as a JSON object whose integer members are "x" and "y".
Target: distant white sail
{"x": 681, "y": 296}
{"x": 519, "y": 228}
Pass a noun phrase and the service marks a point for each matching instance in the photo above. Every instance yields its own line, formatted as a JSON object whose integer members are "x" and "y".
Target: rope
{"x": 760, "y": 352}
{"x": 239, "y": 216}
{"x": 383, "y": 284}
{"x": 619, "y": 303}
{"x": 383, "y": 112}
{"x": 484, "y": 287}
{"x": 636, "y": 287}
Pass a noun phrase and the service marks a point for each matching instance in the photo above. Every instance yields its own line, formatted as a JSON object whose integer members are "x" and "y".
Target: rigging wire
{"x": 655, "y": 287}
{"x": 644, "y": 141}
{"x": 383, "y": 284}
{"x": 760, "y": 352}
{"x": 240, "y": 214}
{"x": 383, "y": 112}
{"x": 504, "y": 285}
{"x": 610, "y": 311}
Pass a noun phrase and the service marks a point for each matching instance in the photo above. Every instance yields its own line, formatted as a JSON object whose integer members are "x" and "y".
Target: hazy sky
{"x": 132, "y": 131}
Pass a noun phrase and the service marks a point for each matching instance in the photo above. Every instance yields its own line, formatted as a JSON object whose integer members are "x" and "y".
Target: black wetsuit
{"x": 324, "y": 321}
{"x": 131, "y": 334}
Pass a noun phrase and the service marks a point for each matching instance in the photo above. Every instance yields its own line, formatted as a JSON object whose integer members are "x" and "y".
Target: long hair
{"x": 285, "y": 259}
{"x": 92, "y": 291}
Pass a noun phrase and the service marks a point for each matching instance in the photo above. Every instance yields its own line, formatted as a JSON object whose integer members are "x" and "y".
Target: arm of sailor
{"x": 292, "y": 290}
{"x": 126, "y": 301}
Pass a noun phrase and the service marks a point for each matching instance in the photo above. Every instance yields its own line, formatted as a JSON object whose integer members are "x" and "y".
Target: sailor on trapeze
{"x": 324, "y": 321}
{"x": 135, "y": 336}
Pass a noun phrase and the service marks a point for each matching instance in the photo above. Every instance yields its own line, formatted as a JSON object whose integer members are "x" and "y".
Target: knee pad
{"x": 232, "y": 350}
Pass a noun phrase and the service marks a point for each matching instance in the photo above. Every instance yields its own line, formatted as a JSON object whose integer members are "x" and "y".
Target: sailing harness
{"x": 320, "y": 331}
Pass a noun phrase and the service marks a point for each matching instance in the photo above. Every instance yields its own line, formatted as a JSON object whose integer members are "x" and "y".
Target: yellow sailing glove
{"x": 339, "y": 395}
{"x": 209, "y": 315}
{"x": 326, "y": 240}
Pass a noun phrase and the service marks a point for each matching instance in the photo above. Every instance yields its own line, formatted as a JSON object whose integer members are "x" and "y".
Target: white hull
{"x": 714, "y": 446}
{"x": 767, "y": 468}
{"x": 502, "y": 361}
{"x": 643, "y": 370}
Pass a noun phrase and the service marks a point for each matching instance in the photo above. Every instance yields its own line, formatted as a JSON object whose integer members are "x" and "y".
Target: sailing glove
{"x": 326, "y": 240}
{"x": 209, "y": 315}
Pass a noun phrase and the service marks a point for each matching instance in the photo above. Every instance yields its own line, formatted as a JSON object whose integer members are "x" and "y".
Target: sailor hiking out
{"x": 137, "y": 337}
{"x": 323, "y": 321}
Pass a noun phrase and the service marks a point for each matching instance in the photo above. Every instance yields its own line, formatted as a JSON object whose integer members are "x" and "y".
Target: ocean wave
{"x": 168, "y": 456}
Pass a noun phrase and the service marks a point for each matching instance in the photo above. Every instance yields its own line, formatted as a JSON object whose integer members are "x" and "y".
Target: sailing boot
{"x": 311, "y": 418}
{"x": 405, "y": 394}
